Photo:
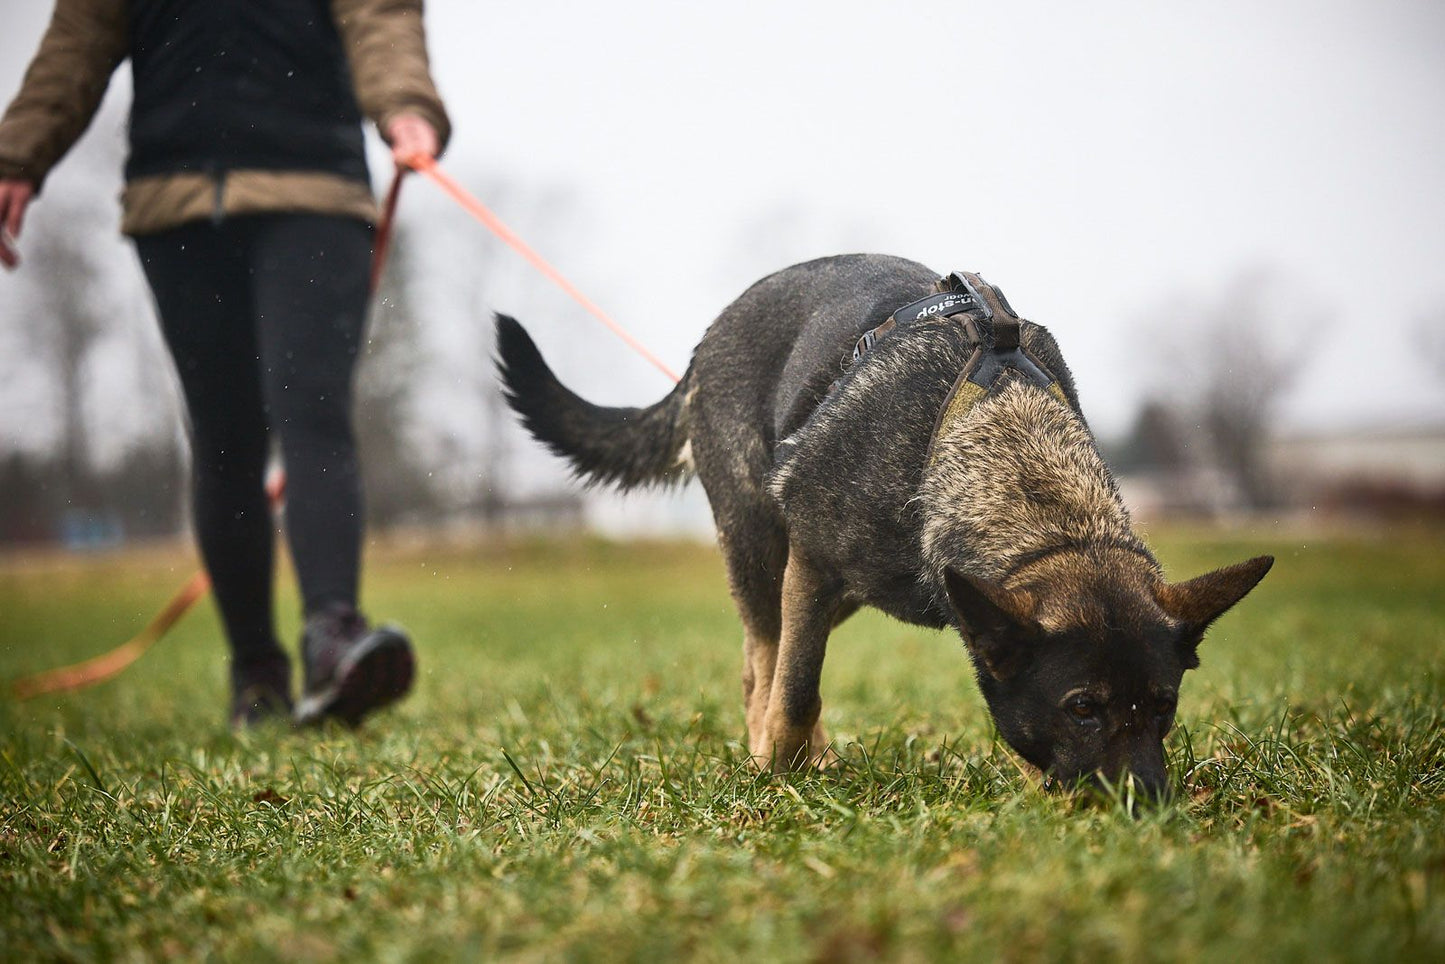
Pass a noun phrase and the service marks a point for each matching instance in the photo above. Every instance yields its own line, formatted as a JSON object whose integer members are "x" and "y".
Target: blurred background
{"x": 1231, "y": 215}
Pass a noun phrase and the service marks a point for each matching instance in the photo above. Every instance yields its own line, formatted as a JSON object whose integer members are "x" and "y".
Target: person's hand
{"x": 411, "y": 137}
{"x": 14, "y": 198}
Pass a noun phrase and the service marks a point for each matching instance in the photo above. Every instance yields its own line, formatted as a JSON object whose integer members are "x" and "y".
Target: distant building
{"x": 1414, "y": 457}
{"x": 1386, "y": 471}
{"x": 1382, "y": 471}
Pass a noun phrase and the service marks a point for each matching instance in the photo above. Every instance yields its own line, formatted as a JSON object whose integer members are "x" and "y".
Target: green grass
{"x": 568, "y": 780}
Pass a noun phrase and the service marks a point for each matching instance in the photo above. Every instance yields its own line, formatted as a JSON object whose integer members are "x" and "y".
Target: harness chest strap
{"x": 993, "y": 331}
{"x": 996, "y": 335}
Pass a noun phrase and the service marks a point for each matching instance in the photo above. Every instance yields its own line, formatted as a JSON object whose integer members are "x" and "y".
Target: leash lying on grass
{"x": 100, "y": 668}
{"x": 111, "y": 663}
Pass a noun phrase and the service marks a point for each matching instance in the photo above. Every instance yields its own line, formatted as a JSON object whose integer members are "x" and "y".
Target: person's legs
{"x": 310, "y": 294}
{"x": 199, "y": 276}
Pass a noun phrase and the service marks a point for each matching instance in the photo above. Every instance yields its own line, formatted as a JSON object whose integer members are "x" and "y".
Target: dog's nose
{"x": 1149, "y": 774}
{"x": 1137, "y": 788}
{"x": 1154, "y": 788}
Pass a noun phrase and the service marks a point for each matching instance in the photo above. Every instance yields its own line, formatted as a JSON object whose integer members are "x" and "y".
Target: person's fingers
{"x": 9, "y": 256}
{"x": 410, "y": 149}
{"x": 412, "y": 137}
{"x": 14, "y": 197}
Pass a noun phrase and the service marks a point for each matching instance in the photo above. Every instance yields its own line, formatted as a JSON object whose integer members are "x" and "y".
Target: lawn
{"x": 568, "y": 782}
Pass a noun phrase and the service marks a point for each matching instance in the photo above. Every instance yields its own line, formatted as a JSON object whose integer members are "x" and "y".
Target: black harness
{"x": 992, "y": 331}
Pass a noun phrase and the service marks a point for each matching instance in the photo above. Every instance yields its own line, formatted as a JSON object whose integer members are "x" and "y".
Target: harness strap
{"x": 951, "y": 296}
{"x": 997, "y": 342}
{"x": 991, "y": 329}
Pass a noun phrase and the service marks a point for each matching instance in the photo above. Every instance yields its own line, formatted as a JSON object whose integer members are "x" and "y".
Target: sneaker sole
{"x": 375, "y": 673}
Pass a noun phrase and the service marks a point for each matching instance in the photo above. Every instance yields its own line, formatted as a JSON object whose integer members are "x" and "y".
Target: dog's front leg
{"x": 811, "y": 601}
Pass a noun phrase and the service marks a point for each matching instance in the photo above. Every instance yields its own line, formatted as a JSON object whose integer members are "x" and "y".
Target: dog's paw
{"x": 824, "y": 758}
{"x": 809, "y": 756}
{"x": 821, "y": 754}
{"x": 785, "y": 752}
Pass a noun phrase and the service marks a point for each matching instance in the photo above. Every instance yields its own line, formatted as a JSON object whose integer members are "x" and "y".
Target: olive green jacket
{"x": 87, "y": 39}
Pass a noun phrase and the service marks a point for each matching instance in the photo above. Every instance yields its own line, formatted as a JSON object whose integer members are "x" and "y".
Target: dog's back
{"x": 771, "y": 355}
{"x": 770, "y": 414}
{"x": 761, "y": 368}
{"x": 769, "y": 379}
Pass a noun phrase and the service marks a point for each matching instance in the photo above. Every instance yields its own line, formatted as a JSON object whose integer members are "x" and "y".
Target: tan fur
{"x": 792, "y": 735}
{"x": 760, "y": 660}
{"x": 1018, "y": 474}
{"x": 1064, "y": 587}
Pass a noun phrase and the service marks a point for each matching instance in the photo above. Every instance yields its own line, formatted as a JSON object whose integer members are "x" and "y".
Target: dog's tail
{"x": 626, "y": 447}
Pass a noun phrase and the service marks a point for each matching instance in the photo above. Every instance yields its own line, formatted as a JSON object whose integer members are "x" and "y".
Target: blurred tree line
{"x": 79, "y": 464}
{"x": 1207, "y": 437}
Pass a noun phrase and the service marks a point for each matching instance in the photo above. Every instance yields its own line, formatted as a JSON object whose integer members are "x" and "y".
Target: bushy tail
{"x": 626, "y": 447}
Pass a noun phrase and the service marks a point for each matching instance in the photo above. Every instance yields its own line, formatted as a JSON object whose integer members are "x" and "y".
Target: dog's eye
{"x": 1084, "y": 710}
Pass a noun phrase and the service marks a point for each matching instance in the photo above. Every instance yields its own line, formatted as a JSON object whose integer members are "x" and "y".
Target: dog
{"x": 871, "y": 435}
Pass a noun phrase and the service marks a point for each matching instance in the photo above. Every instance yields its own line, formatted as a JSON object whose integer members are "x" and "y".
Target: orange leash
{"x": 482, "y": 213}
{"x": 106, "y": 665}
{"x": 109, "y": 664}
{"x": 381, "y": 245}
{"x": 100, "y": 668}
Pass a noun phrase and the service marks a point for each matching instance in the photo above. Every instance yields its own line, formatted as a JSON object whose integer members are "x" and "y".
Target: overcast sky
{"x": 1097, "y": 161}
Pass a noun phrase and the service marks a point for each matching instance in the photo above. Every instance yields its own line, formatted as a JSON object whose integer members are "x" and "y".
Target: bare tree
{"x": 1228, "y": 360}
{"x": 397, "y": 481}
{"x": 460, "y": 274}
{"x": 79, "y": 398}
{"x": 64, "y": 332}
{"x": 1156, "y": 442}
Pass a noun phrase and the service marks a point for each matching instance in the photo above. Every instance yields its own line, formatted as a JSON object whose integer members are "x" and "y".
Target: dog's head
{"x": 1081, "y": 664}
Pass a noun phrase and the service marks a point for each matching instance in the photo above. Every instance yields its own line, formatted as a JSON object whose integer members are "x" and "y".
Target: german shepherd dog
{"x": 852, "y": 455}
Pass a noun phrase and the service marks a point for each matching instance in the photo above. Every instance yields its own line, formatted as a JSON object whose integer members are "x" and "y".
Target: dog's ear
{"x": 996, "y": 622}
{"x": 1203, "y": 599}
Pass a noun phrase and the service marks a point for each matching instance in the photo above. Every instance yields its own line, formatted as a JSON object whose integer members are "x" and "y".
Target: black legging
{"x": 264, "y": 316}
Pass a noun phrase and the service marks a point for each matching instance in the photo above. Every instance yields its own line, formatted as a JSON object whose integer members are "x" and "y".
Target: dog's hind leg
{"x": 760, "y": 659}
{"x": 812, "y": 601}
{"x": 756, "y": 553}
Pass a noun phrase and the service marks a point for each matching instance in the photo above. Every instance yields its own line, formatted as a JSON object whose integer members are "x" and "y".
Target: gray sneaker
{"x": 260, "y": 689}
{"x": 351, "y": 669}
